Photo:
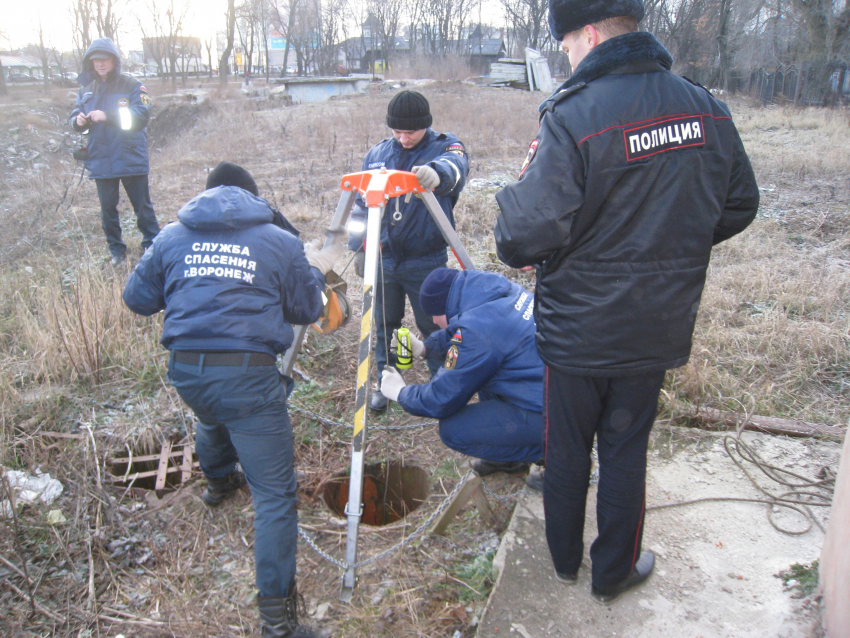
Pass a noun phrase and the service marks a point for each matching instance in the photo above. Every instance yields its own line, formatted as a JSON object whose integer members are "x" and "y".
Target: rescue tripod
{"x": 377, "y": 187}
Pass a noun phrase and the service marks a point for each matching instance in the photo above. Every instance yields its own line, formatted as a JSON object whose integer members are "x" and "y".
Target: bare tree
{"x": 165, "y": 44}
{"x": 82, "y": 12}
{"x": 224, "y": 61}
{"x": 44, "y": 55}
{"x": 3, "y": 89}
{"x": 387, "y": 16}
{"x": 209, "y": 44}
{"x": 284, "y": 15}
{"x": 528, "y": 18}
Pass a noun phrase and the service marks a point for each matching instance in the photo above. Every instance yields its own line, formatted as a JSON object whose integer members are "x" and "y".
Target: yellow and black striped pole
{"x": 354, "y": 508}
{"x": 377, "y": 188}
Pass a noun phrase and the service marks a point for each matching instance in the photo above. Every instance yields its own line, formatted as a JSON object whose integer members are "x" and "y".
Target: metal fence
{"x": 804, "y": 84}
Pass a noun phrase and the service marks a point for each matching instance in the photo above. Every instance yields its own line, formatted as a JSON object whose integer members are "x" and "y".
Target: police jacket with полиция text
{"x": 117, "y": 147}
{"x": 415, "y": 241}
{"x": 488, "y": 346}
{"x": 227, "y": 277}
{"x": 635, "y": 174}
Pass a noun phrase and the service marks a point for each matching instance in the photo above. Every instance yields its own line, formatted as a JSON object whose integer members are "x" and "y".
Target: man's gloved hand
{"x": 427, "y": 176}
{"x": 324, "y": 258}
{"x": 416, "y": 346}
{"x": 391, "y": 383}
{"x": 359, "y": 264}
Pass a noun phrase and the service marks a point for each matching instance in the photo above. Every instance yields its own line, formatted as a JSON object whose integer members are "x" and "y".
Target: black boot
{"x": 640, "y": 572}
{"x": 279, "y": 617}
{"x": 378, "y": 402}
{"x": 219, "y": 489}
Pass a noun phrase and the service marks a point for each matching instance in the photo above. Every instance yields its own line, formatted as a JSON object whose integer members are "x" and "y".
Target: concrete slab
{"x": 716, "y": 562}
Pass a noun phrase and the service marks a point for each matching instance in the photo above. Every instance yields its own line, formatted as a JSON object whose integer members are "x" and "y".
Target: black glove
{"x": 359, "y": 264}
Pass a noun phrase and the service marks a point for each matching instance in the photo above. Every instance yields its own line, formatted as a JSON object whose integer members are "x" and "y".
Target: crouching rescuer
{"x": 231, "y": 282}
{"x": 486, "y": 344}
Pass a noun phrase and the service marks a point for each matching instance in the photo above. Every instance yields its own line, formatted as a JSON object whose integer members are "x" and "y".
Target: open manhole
{"x": 146, "y": 469}
{"x": 391, "y": 490}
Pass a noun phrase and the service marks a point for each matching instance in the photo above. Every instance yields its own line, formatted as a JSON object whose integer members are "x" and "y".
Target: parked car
{"x": 19, "y": 77}
{"x": 69, "y": 75}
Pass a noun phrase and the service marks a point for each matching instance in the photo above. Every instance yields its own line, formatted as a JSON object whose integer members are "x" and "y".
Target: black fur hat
{"x": 228, "y": 174}
{"x": 566, "y": 16}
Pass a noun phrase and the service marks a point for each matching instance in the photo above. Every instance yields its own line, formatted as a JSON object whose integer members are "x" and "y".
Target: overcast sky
{"x": 20, "y": 19}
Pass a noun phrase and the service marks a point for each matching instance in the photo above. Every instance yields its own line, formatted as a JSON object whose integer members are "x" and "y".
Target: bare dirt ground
{"x": 772, "y": 337}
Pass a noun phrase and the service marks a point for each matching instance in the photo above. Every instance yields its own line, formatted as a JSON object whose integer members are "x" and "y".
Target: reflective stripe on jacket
{"x": 119, "y": 146}
{"x": 415, "y": 241}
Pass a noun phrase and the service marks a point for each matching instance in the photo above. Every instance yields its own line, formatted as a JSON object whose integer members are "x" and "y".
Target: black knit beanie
{"x": 228, "y": 174}
{"x": 434, "y": 293}
{"x": 566, "y": 16}
{"x": 409, "y": 111}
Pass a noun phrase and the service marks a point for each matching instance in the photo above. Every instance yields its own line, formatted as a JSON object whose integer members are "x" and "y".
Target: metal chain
{"x": 416, "y": 533}
{"x": 327, "y": 421}
{"x": 510, "y": 497}
{"x": 320, "y": 551}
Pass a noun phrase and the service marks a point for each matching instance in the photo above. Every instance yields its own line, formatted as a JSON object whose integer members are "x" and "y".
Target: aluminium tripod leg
{"x": 354, "y": 509}
{"x": 449, "y": 234}
{"x": 340, "y": 218}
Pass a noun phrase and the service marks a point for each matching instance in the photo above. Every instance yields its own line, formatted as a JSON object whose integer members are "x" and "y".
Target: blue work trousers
{"x": 242, "y": 416}
{"x": 619, "y": 412}
{"x": 136, "y": 187}
{"x": 390, "y": 292}
{"x": 495, "y": 431}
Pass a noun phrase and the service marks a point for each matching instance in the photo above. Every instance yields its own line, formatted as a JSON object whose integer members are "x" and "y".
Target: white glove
{"x": 325, "y": 258}
{"x": 427, "y": 176}
{"x": 416, "y": 346}
{"x": 391, "y": 383}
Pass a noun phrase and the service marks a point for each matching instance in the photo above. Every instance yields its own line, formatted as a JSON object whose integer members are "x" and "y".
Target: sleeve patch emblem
{"x": 532, "y": 151}
{"x": 667, "y": 135}
{"x": 457, "y": 337}
{"x": 457, "y": 149}
{"x": 123, "y": 103}
{"x": 451, "y": 358}
{"x": 145, "y": 98}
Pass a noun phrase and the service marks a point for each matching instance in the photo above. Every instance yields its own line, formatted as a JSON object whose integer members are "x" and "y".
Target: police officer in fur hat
{"x": 411, "y": 243}
{"x": 635, "y": 174}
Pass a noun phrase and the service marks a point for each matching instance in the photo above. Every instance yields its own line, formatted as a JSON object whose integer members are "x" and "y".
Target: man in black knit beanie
{"x": 411, "y": 243}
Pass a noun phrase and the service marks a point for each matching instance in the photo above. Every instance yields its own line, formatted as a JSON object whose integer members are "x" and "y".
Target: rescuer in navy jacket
{"x": 231, "y": 282}
{"x": 113, "y": 109}
{"x": 635, "y": 174}
{"x": 486, "y": 344}
{"x": 411, "y": 243}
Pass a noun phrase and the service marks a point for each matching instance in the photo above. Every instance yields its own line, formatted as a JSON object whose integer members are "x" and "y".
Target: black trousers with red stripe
{"x": 620, "y": 412}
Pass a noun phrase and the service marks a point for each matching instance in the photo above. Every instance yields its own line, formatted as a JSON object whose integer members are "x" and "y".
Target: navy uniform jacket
{"x": 113, "y": 150}
{"x": 415, "y": 241}
{"x": 227, "y": 277}
{"x": 635, "y": 174}
{"x": 488, "y": 346}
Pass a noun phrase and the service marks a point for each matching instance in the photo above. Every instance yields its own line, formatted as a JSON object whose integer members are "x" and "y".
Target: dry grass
{"x": 772, "y": 335}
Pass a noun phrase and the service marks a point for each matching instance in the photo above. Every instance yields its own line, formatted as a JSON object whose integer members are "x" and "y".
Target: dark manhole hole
{"x": 391, "y": 490}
